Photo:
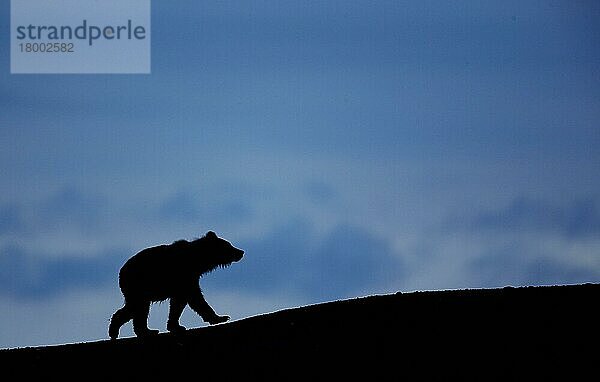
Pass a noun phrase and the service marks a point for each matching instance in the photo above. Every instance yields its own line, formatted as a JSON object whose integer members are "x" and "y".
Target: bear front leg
{"x": 200, "y": 306}
{"x": 176, "y": 306}
{"x": 141, "y": 309}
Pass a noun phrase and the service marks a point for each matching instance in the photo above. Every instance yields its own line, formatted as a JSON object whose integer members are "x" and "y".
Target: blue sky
{"x": 350, "y": 147}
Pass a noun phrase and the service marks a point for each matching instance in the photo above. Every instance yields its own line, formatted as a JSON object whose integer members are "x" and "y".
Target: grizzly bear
{"x": 170, "y": 271}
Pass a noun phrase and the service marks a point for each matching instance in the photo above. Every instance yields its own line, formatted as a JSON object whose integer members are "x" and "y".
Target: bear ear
{"x": 211, "y": 235}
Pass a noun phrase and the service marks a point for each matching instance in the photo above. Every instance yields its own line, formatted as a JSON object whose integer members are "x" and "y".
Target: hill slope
{"x": 510, "y": 332}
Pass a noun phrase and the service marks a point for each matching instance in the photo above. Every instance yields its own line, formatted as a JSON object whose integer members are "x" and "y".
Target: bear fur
{"x": 171, "y": 272}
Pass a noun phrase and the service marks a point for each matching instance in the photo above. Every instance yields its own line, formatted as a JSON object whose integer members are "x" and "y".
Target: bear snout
{"x": 238, "y": 254}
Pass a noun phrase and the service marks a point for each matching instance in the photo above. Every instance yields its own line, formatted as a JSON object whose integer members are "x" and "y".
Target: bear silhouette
{"x": 170, "y": 271}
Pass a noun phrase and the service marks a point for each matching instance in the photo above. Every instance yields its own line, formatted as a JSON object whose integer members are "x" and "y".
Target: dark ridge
{"x": 514, "y": 333}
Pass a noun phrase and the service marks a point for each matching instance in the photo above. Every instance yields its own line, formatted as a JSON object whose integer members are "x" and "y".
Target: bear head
{"x": 214, "y": 251}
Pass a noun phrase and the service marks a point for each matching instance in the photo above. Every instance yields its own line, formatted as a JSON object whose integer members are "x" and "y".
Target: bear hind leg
{"x": 118, "y": 319}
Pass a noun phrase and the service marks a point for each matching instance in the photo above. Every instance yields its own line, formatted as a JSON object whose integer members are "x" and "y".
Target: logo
{"x": 80, "y": 36}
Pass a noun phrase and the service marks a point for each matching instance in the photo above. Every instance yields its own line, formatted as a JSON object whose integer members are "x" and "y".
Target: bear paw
{"x": 113, "y": 332}
{"x": 175, "y": 328}
{"x": 218, "y": 320}
{"x": 146, "y": 332}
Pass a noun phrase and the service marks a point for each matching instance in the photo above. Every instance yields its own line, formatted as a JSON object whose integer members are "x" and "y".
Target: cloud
{"x": 181, "y": 206}
{"x": 515, "y": 265}
{"x": 527, "y": 241}
{"x": 187, "y": 206}
{"x": 77, "y": 315}
{"x": 521, "y": 213}
{"x": 68, "y": 207}
{"x": 583, "y": 218}
{"x": 574, "y": 219}
{"x": 10, "y": 219}
{"x": 319, "y": 192}
{"x": 293, "y": 259}
{"x": 28, "y": 275}
{"x": 346, "y": 262}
